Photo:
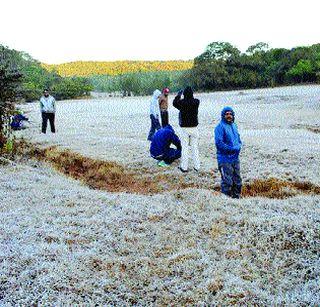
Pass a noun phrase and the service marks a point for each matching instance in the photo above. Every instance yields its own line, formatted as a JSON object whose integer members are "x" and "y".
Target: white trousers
{"x": 189, "y": 137}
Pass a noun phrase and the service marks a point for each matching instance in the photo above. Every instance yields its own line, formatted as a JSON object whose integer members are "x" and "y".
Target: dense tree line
{"x": 223, "y": 66}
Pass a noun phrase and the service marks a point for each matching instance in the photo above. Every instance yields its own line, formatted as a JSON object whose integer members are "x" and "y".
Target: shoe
{"x": 163, "y": 164}
{"x": 182, "y": 170}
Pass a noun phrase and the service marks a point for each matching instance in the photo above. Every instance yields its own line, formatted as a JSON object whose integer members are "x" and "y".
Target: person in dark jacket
{"x": 228, "y": 144}
{"x": 188, "y": 121}
{"x": 160, "y": 148}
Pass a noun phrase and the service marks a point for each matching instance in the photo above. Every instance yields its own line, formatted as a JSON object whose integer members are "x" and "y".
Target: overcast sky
{"x": 66, "y": 30}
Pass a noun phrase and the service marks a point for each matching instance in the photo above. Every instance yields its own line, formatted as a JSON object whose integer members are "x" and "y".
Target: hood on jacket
{"x": 227, "y": 109}
{"x": 156, "y": 94}
{"x": 188, "y": 93}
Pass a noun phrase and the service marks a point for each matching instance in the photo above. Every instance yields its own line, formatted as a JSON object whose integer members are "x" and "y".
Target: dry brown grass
{"x": 314, "y": 129}
{"x": 96, "y": 174}
{"x": 276, "y": 188}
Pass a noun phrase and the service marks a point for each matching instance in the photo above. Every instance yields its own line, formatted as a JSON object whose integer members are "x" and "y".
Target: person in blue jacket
{"x": 17, "y": 121}
{"x": 228, "y": 144}
{"x": 160, "y": 148}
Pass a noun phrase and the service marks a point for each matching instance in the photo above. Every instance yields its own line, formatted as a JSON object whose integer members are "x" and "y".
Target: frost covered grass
{"x": 66, "y": 242}
{"x": 70, "y": 244}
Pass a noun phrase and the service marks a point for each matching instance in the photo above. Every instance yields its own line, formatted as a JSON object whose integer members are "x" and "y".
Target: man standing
{"x": 48, "y": 109}
{"x": 188, "y": 120}
{"x": 163, "y": 104}
{"x": 160, "y": 148}
{"x": 228, "y": 145}
{"x": 154, "y": 114}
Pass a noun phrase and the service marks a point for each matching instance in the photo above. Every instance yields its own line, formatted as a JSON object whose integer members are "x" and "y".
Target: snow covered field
{"x": 63, "y": 243}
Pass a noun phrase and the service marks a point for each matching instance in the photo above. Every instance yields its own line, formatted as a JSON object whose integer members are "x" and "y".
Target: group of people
{"x": 162, "y": 136}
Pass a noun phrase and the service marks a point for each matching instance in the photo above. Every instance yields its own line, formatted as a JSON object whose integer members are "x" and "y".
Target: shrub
{"x": 10, "y": 81}
{"x": 73, "y": 87}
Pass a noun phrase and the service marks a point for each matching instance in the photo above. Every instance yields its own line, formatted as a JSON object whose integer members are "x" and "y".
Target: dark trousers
{"x": 231, "y": 181}
{"x": 164, "y": 118}
{"x": 170, "y": 155}
{"x": 45, "y": 118}
{"x": 155, "y": 125}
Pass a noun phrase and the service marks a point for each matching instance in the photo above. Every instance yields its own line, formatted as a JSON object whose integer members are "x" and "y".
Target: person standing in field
{"x": 48, "y": 109}
{"x": 154, "y": 114}
{"x": 188, "y": 121}
{"x": 228, "y": 144}
{"x": 164, "y": 104}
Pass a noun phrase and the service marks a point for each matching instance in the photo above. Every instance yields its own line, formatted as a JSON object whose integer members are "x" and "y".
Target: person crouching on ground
{"x": 18, "y": 121}
{"x": 163, "y": 104}
{"x": 228, "y": 144}
{"x": 154, "y": 114}
{"x": 188, "y": 121}
{"x": 48, "y": 109}
{"x": 160, "y": 148}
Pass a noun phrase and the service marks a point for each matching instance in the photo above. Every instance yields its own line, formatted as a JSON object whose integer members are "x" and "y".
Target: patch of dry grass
{"x": 97, "y": 174}
{"x": 275, "y": 188}
{"x": 312, "y": 128}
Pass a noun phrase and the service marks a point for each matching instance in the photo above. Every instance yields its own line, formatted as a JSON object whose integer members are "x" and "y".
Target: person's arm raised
{"x": 177, "y": 100}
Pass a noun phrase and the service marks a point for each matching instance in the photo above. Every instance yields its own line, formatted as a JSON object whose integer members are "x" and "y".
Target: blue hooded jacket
{"x": 227, "y": 139}
{"x": 16, "y": 122}
{"x": 162, "y": 140}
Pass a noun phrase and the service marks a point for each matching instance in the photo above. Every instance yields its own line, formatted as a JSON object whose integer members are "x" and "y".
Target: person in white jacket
{"x": 48, "y": 110}
{"x": 154, "y": 114}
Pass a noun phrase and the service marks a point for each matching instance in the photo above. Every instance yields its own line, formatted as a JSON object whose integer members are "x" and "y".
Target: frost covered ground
{"x": 273, "y": 124}
{"x": 63, "y": 243}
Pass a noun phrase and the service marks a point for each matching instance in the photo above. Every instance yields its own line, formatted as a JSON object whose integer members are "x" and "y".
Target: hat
{"x": 165, "y": 91}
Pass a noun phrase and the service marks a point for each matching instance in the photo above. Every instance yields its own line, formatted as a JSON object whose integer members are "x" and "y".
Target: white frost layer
{"x": 63, "y": 243}
{"x": 272, "y": 123}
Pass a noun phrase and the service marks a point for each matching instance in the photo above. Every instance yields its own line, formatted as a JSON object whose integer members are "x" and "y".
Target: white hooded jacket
{"x": 154, "y": 104}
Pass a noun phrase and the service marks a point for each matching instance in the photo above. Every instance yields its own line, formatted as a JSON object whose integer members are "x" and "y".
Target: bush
{"x": 10, "y": 81}
{"x": 73, "y": 87}
{"x": 301, "y": 72}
